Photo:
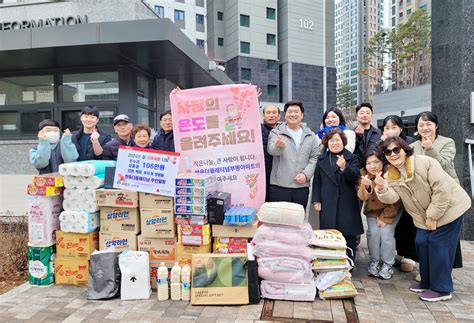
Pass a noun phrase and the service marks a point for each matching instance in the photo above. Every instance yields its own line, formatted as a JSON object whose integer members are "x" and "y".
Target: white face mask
{"x": 53, "y": 137}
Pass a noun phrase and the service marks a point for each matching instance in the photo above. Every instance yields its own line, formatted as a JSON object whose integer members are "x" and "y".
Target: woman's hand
{"x": 317, "y": 206}
{"x": 364, "y": 180}
{"x": 341, "y": 162}
{"x": 379, "y": 182}
{"x": 380, "y": 223}
{"x": 431, "y": 224}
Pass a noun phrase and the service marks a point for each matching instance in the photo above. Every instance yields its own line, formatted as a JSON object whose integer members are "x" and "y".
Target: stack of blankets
{"x": 332, "y": 265}
{"x": 281, "y": 246}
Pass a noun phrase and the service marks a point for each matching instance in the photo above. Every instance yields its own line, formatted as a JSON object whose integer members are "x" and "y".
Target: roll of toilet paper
{"x": 88, "y": 195}
{"x": 64, "y": 169}
{"x": 69, "y": 181}
{"x": 94, "y": 182}
{"x": 81, "y": 182}
{"x": 70, "y": 194}
{"x": 70, "y": 205}
{"x": 90, "y": 206}
{"x": 95, "y": 167}
{"x": 75, "y": 169}
{"x": 81, "y": 222}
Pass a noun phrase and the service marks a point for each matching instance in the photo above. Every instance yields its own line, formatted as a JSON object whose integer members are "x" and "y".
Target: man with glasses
{"x": 89, "y": 140}
{"x": 123, "y": 128}
{"x": 164, "y": 140}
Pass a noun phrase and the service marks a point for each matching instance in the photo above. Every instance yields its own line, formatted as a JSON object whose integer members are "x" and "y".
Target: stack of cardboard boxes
{"x": 119, "y": 219}
{"x": 158, "y": 236}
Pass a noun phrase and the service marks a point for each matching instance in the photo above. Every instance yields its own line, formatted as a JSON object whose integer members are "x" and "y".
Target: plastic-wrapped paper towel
{"x": 79, "y": 221}
{"x": 43, "y": 221}
{"x": 93, "y": 182}
{"x": 85, "y": 168}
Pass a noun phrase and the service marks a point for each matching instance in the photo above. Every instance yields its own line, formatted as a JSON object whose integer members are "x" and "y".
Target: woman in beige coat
{"x": 437, "y": 204}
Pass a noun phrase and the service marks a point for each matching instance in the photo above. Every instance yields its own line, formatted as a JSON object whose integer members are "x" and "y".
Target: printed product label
{"x": 37, "y": 269}
{"x": 162, "y": 281}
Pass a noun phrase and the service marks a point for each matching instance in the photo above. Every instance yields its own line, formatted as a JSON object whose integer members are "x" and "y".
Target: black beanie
{"x": 48, "y": 123}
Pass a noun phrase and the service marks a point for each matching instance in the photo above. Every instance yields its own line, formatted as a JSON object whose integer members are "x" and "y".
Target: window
{"x": 246, "y": 74}
{"x": 72, "y": 119}
{"x": 26, "y": 89}
{"x": 220, "y": 41}
{"x": 145, "y": 116}
{"x": 181, "y": 1}
{"x": 393, "y": 21}
{"x": 401, "y": 15}
{"x": 353, "y": 80}
{"x": 200, "y": 43}
{"x": 271, "y": 39}
{"x": 200, "y": 3}
{"x": 244, "y": 21}
{"x": 199, "y": 19}
{"x": 271, "y": 65}
{"x": 408, "y": 12}
{"x": 353, "y": 72}
{"x": 272, "y": 91}
{"x": 143, "y": 90}
{"x": 22, "y": 123}
{"x": 393, "y": 11}
{"x": 271, "y": 13}
{"x": 160, "y": 11}
{"x": 178, "y": 15}
{"x": 220, "y": 15}
{"x": 85, "y": 87}
{"x": 244, "y": 47}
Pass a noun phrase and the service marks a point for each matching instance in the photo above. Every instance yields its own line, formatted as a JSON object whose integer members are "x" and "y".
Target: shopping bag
{"x": 104, "y": 275}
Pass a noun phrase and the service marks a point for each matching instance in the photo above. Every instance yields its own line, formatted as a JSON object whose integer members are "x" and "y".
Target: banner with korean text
{"x": 146, "y": 170}
{"x": 217, "y": 131}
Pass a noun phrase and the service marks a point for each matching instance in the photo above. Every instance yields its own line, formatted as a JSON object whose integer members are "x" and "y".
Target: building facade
{"x": 356, "y": 23}
{"x": 189, "y": 15}
{"x": 284, "y": 47}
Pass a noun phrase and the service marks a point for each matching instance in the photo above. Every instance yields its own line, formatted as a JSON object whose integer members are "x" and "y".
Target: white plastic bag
{"x": 327, "y": 279}
{"x": 135, "y": 268}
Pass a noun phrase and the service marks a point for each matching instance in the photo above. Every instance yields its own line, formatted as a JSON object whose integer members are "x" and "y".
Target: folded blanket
{"x": 282, "y": 213}
{"x": 271, "y": 249}
{"x": 329, "y": 239}
{"x": 284, "y": 234}
{"x": 285, "y": 270}
{"x": 290, "y": 292}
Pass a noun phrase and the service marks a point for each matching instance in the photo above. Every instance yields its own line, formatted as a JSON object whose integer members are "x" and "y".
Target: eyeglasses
{"x": 388, "y": 152}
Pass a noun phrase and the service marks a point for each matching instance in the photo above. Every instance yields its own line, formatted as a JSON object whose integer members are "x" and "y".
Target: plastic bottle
{"x": 186, "y": 283}
{"x": 176, "y": 282}
{"x": 162, "y": 283}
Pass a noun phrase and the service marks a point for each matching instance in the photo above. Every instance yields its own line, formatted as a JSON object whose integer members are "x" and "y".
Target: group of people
{"x": 90, "y": 143}
{"x": 407, "y": 188}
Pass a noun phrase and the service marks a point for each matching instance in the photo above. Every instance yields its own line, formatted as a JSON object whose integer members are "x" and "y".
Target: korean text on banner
{"x": 217, "y": 131}
{"x": 146, "y": 170}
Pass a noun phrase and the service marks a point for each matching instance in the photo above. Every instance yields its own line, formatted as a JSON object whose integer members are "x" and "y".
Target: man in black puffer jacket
{"x": 164, "y": 140}
{"x": 123, "y": 128}
{"x": 271, "y": 116}
{"x": 89, "y": 140}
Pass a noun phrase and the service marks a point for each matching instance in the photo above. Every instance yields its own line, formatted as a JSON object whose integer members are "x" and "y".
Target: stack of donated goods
{"x": 281, "y": 245}
{"x": 44, "y": 206}
{"x": 332, "y": 265}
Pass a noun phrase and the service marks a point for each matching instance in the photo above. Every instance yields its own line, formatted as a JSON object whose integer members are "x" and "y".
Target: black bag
{"x": 254, "y": 282}
{"x": 104, "y": 276}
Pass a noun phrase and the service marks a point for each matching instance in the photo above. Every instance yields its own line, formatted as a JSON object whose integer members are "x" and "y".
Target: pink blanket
{"x": 270, "y": 249}
{"x": 285, "y": 270}
{"x": 291, "y": 292}
{"x": 284, "y": 234}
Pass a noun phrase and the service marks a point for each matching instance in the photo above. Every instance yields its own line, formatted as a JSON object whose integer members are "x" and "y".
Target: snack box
{"x": 192, "y": 200}
{"x": 76, "y": 245}
{"x": 195, "y": 191}
{"x": 153, "y": 201}
{"x": 195, "y": 180}
{"x": 184, "y": 254}
{"x": 190, "y": 209}
{"x": 71, "y": 271}
{"x": 118, "y": 240}
{"x": 50, "y": 179}
{"x": 190, "y": 219}
{"x": 238, "y": 232}
{"x": 157, "y": 223}
{"x": 44, "y": 190}
{"x": 159, "y": 249}
{"x": 116, "y": 198}
{"x": 194, "y": 235}
{"x": 116, "y": 219}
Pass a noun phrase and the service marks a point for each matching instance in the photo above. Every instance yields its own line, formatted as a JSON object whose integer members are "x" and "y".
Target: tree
{"x": 345, "y": 98}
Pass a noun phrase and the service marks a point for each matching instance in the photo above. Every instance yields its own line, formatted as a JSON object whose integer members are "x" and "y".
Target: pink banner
{"x": 217, "y": 131}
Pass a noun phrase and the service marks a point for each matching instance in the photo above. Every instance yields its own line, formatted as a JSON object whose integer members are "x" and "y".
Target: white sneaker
{"x": 386, "y": 272}
{"x": 374, "y": 268}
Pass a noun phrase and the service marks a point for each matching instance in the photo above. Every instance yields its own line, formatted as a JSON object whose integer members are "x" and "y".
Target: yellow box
{"x": 117, "y": 219}
{"x": 194, "y": 235}
{"x": 71, "y": 272}
{"x": 116, "y": 198}
{"x": 152, "y": 201}
{"x": 119, "y": 240}
{"x": 184, "y": 254}
{"x": 76, "y": 245}
{"x": 234, "y": 232}
{"x": 157, "y": 223}
{"x": 159, "y": 249}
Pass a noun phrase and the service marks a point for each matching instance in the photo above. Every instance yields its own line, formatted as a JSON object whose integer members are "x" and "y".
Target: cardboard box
{"x": 116, "y": 198}
{"x": 51, "y": 179}
{"x": 159, "y": 249}
{"x": 229, "y": 245}
{"x": 152, "y": 201}
{"x": 157, "y": 223}
{"x": 115, "y": 219}
{"x": 184, "y": 254}
{"x": 154, "y": 272}
{"x": 237, "y": 232}
{"x": 195, "y": 191}
{"x": 195, "y": 180}
{"x": 190, "y": 209}
{"x": 44, "y": 191}
{"x": 119, "y": 240}
{"x": 71, "y": 272}
{"x": 194, "y": 235}
{"x": 190, "y": 200}
{"x": 76, "y": 245}
{"x": 190, "y": 219}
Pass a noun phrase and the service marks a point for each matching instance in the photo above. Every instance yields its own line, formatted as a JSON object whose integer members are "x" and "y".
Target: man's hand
{"x": 431, "y": 224}
{"x": 359, "y": 130}
{"x": 67, "y": 131}
{"x": 95, "y": 137}
{"x": 41, "y": 135}
{"x": 280, "y": 142}
{"x": 364, "y": 180}
{"x": 317, "y": 207}
{"x": 379, "y": 182}
{"x": 175, "y": 90}
{"x": 341, "y": 162}
{"x": 300, "y": 178}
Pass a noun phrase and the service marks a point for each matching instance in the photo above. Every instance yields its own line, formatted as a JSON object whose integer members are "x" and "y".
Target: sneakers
{"x": 374, "y": 268}
{"x": 433, "y": 296}
{"x": 386, "y": 272}
{"x": 416, "y": 287}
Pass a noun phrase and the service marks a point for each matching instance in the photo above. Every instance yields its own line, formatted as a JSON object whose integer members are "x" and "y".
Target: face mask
{"x": 53, "y": 137}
